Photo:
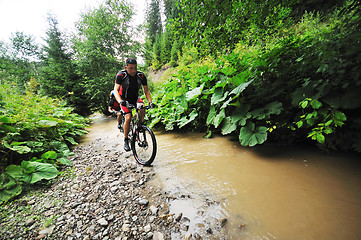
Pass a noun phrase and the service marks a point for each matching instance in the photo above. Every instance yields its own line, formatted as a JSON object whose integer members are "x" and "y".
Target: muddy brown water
{"x": 266, "y": 192}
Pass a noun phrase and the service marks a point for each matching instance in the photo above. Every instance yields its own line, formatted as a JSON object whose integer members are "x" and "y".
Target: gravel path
{"x": 104, "y": 195}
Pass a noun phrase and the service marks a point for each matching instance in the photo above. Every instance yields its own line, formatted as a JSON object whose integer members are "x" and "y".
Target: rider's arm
{"x": 147, "y": 93}
{"x": 116, "y": 92}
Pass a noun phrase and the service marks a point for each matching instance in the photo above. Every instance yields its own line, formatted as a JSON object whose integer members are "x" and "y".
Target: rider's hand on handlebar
{"x": 123, "y": 103}
{"x": 151, "y": 105}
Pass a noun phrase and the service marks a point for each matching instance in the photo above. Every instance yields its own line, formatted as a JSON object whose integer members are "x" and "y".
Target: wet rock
{"x": 223, "y": 222}
{"x": 242, "y": 226}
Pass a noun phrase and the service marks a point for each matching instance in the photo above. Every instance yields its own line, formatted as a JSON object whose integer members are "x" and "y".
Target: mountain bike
{"x": 143, "y": 142}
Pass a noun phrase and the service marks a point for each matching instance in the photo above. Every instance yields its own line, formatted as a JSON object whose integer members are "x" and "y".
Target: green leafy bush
{"x": 303, "y": 84}
{"x": 36, "y": 133}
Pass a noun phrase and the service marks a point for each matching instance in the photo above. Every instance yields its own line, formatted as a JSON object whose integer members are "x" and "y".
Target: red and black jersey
{"x": 129, "y": 85}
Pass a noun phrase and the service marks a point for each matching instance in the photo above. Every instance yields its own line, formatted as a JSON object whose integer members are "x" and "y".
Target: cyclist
{"x": 126, "y": 89}
{"x": 113, "y": 106}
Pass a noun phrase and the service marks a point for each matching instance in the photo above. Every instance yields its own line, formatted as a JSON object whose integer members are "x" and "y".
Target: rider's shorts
{"x": 125, "y": 110}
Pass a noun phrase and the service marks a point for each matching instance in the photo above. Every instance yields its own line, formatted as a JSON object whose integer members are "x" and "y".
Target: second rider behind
{"x": 126, "y": 89}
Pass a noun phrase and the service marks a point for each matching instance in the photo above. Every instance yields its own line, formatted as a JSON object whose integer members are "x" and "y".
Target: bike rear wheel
{"x": 144, "y": 145}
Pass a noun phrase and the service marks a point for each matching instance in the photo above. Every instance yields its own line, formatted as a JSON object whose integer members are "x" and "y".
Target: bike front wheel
{"x": 144, "y": 145}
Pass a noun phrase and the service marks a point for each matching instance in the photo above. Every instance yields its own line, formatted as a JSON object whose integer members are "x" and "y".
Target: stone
{"x": 103, "y": 222}
{"x": 223, "y": 222}
{"x": 153, "y": 209}
{"x": 158, "y": 236}
{"x": 143, "y": 202}
{"x": 126, "y": 227}
{"x": 29, "y": 222}
{"x": 147, "y": 228}
{"x": 95, "y": 201}
{"x": 47, "y": 231}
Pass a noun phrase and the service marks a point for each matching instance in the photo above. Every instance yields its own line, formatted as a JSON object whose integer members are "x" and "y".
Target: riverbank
{"x": 104, "y": 195}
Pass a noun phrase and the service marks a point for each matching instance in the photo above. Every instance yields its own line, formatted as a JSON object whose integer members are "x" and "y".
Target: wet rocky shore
{"x": 104, "y": 195}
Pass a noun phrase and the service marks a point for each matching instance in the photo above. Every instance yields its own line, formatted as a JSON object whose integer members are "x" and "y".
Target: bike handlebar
{"x": 132, "y": 106}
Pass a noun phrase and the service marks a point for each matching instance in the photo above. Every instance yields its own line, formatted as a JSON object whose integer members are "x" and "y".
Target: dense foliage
{"x": 36, "y": 133}
{"x": 301, "y": 83}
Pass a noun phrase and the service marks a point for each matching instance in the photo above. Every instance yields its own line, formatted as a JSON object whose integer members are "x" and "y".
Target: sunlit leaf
{"x": 64, "y": 161}
{"x": 48, "y": 123}
{"x": 194, "y": 93}
{"x": 5, "y": 119}
{"x": 316, "y": 104}
{"x": 71, "y": 140}
{"x": 49, "y": 155}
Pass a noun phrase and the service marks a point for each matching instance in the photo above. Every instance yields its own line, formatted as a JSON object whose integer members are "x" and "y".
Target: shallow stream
{"x": 265, "y": 192}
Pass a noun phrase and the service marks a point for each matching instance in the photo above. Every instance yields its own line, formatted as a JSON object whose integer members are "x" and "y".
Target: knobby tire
{"x": 144, "y": 145}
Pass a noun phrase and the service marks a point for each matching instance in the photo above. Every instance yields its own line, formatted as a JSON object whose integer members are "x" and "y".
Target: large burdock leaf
{"x": 194, "y": 93}
{"x": 238, "y": 90}
{"x": 47, "y": 123}
{"x": 15, "y": 171}
{"x": 219, "y": 118}
{"x": 211, "y": 115}
{"x": 218, "y": 96}
{"x": 229, "y": 126}
{"x": 38, "y": 171}
{"x": 250, "y": 135}
{"x": 8, "y": 188}
{"x": 16, "y": 146}
{"x": 185, "y": 120}
{"x": 268, "y": 110}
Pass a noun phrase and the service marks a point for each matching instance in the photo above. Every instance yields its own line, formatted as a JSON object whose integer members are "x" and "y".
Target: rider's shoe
{"x": 119, "y": 126}
{"x": 126, "y": 144}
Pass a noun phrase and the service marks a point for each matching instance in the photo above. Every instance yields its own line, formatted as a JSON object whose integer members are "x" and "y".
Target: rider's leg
{"x": 119, "y": 118}
{"x": 126, "y": 126}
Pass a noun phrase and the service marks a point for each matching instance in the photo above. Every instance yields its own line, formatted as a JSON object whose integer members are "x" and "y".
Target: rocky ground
{"x": 104, "y": 195}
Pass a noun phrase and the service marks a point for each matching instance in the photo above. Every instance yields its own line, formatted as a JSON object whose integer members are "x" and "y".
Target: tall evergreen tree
{"x": 153, "y": 24}
{"x": 57, "y": 75}
{"x": 153, "y": 20}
